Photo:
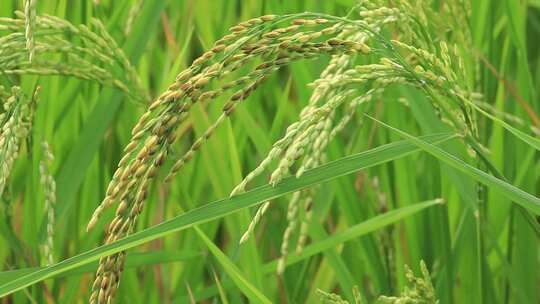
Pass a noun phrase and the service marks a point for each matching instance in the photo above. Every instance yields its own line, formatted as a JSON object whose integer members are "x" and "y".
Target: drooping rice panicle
{"x": 155, "y": 131}
{"x": 15, "y": 123}
{"x": 30, "y": 24}
{"x": 170, "y": 108}
{"x": 333, "y": 70}
{"x": 332, "y": 83}
{"x": 94, "y": 55}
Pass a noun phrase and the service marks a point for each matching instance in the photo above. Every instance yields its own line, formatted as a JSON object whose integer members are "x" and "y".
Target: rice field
{"x": 228, "y": 151}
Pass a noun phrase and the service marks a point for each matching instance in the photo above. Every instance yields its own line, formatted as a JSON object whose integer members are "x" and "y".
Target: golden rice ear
{"x": 264, "y": 45}
{"x": 155, "y": 131}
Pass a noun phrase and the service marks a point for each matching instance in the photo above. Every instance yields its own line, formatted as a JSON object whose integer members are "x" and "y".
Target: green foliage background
{"x": 489, "y": 256}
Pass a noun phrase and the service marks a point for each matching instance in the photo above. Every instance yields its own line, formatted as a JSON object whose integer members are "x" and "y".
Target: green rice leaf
{"x": 530, "y": 202}
{"x": 236, "y": 275}
{"x": 227, "y": 206}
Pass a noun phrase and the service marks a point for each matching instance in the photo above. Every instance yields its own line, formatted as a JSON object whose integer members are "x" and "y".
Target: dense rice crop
{"x": 356, "y": 151}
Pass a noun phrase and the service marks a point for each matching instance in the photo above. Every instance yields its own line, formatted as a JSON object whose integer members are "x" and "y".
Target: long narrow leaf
{"x": 234, "y": 273}
{"x": 227, "y": 206}
{"x": 358, "y": 230}
{"x": 511, "y": 192}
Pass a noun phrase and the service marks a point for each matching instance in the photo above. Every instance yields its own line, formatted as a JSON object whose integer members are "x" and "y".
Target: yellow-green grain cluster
{"x": 15, "y": 124}
{"x": 253, "y": 42}
{"x": 32, "y": 41}
{"x": 30, "y": 24}
{"x": 48, "y": 185}
{"x": 421, "y": 291}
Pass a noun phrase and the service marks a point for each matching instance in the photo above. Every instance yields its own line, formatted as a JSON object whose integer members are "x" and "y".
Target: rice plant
{"x": 336, "y": 143}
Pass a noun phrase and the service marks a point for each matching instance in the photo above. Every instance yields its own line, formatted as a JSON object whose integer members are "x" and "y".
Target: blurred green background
{"x": 88, "y": 125}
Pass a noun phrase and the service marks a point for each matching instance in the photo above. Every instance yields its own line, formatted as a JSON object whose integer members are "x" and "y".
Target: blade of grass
{"x": 222, "y": 295}
{"x": 135, "y": 259}
{"x": 534, "y": 142}
{"x": 234, "y": 273}
{"x": 356, "y": 231}
{"x": 519, "y": 196}
{"x": 349, "y": 234}
{"x": 226, "y": 206}
{"x": 333, "y": 256}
